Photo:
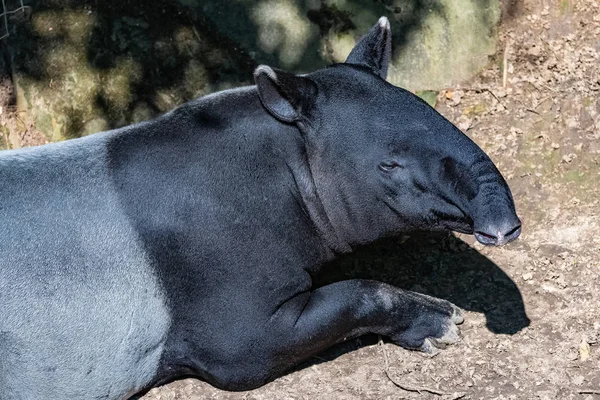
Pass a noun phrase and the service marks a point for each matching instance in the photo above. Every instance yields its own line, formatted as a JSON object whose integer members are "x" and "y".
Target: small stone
{"x": 527, "y": 276}
{"x": 534, "y": 51}
{"x": 555, "y": 145}
{"x": 584, "y": 350}
{"x": 464, "y": 124}
{"x": 457, "y": 97}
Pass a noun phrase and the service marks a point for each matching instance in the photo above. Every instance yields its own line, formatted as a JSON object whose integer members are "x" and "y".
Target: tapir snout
{"x": 497, "y": 222}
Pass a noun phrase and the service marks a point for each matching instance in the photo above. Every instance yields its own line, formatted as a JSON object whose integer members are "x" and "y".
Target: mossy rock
{"x": 4, "y": 134}
{"x": 83, "y": 66}
{"x": 437, "y": 43}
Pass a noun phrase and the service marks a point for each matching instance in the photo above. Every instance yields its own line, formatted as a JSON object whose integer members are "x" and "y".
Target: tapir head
{"x": 381, "y": 160}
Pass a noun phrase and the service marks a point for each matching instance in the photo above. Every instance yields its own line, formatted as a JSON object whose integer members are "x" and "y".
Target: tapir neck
{"x": 230, "y": 156}
{"x": 351, "y": 213}
{"x": 264, "y": 138}
{"x": 358, "y": 216}
{"x": 305, "y": 179}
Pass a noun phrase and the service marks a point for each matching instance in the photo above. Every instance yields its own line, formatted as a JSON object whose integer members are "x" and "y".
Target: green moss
{"x": 95, "y": 125}
{"x": 429, "y": 96}
{"x": 440, "y": 52}
{"x": 4, "y": 134}
{"x": 195, "y": 79}
{"x": 331, "y": 17}
{"x": 552, "y": 161}
{"x": 43, "y": 122}
{"x": 575, "y": 176}
{"x": 581, "y": 184}
{"x": 141, "y": 112}
{"x": 477, "y": 109}
{"x": 77, "y": 71}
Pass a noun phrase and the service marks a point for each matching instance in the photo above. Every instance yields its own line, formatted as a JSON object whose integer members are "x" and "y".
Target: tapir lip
{"x": 499, "y": 238}
{"x": 455, "y": 218}
{"x": 492, "y": 236}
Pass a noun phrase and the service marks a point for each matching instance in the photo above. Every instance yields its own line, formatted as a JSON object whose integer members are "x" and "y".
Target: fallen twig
{"x": 542, "y": 101}
{"x": 420, "y": 390}
{"x": 588, "y": 391}
{"x": 505, "y": 65}
{"x": 479, "y": 90}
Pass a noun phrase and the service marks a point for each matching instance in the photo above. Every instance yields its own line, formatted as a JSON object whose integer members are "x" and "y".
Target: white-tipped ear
{"x": 286, "y": 96}
{"x": 384, "y": 23}
{"x": 374, "y": 50}
{"x": 265, "y": 69}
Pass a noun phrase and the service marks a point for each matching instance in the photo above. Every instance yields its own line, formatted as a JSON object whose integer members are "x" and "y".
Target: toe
{"x": 457, "y": 315}
{"x": 429, "y": 348}
{"x": 451, "y": 336}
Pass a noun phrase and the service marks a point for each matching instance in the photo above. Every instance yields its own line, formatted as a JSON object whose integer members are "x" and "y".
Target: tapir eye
{"x": 388, "y": 166}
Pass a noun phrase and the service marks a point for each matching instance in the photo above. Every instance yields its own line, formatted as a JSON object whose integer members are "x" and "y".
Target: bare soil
{"x": 542, "y": 128}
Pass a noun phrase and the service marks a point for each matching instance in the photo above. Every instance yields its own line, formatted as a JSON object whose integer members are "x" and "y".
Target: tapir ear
{"x": 374, "y": 50}
{"x": 286, "y": 96}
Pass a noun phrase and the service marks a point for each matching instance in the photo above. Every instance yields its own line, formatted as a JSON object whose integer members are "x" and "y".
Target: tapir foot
{"x": 434, "y": 345}
{"x": 435, "y": 327}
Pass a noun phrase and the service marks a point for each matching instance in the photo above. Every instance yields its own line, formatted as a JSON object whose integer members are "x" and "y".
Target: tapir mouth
{"x": 491, "y": 235}
{"x": 498, "y": 237}
{"x": 454, "y": 218}
{"x": 505, "y": 228}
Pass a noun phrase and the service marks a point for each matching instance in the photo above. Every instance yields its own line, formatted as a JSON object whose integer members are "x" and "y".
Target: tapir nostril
{"x": 487, "y": 235}
{"x": 512, "y": 234}
{"x": 485, "y": 238}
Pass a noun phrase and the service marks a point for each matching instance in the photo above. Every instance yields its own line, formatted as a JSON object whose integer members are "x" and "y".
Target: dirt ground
{"x": 532, "y": 308}
{"x": 542, "y": 128}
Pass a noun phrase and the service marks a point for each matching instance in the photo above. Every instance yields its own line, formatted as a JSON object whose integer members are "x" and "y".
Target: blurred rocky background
{"x": 73, "y": 67}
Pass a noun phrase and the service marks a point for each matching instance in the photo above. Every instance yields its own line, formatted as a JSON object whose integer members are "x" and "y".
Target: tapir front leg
{"x": 313, "y": 321}
{"x": 348, "y": 309}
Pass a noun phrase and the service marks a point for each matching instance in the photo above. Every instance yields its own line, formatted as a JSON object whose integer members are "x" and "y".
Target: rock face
{"x": 438, "y": 43}
{"x": 84, "y": 66}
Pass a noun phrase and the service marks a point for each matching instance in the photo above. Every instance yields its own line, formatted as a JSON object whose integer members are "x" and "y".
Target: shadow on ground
{"x": 440, "y": 265}
{"x": 437, "y": 264}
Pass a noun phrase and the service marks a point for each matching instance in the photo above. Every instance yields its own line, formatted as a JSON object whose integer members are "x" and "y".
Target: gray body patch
{"x": 82, "y": 315}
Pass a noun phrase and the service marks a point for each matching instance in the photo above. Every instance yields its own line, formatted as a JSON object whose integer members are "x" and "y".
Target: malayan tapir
{"x": 187, "y": 245}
